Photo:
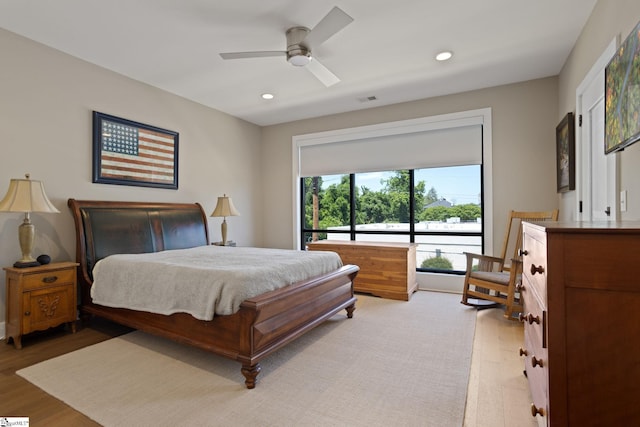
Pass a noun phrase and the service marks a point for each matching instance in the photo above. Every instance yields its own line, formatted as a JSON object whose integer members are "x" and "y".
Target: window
{"x": 426, "y": 181}
{"x": 437, "y": 208}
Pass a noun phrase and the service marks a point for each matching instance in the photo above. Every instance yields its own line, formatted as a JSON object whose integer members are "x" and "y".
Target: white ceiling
{"x": 386, "y": 52}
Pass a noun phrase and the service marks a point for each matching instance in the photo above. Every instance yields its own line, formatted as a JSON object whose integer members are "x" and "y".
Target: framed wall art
{"x": 565, "y": 154}
{"x": 622, "y": 95}
{"x": 130, "y": 153}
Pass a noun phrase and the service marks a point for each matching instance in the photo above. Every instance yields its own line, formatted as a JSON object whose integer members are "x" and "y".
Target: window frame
{"x": 479, "y": 116}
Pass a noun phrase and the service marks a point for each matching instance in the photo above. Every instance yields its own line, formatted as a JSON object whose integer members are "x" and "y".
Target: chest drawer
{"x": 48, "y": 278}
{"x": 534, "y": 317}
{"x": 535, "y": 352}
{"x": 534, "y": 263}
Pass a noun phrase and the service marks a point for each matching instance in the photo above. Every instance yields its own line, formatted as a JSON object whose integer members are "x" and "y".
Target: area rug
{"x": 394, "y": 363}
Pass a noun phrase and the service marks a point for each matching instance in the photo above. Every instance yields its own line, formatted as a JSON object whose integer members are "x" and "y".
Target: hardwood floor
{"x": 20, "y": 398}
{"x": 498, "y": 393}
{"x": 497, "y": 396}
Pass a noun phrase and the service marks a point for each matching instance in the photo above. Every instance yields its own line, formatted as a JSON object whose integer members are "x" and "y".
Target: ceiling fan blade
{"x": 322, "y": 73}
{"x": 333, "y": 22}
{"x": 259, "y": 54}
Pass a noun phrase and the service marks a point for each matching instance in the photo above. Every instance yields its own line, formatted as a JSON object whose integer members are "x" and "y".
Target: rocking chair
{"x": 491, "y": 281}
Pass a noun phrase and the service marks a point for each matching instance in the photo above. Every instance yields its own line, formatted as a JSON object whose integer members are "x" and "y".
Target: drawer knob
{"x": 536, "y": 362}
{"x": 522, "y": 317}
{"x": 523, "y": 352}
{"x": 533, "y": 319}
{"x": 539, "y": 269}
{"x": 523, "y": 252}
{"x": 520, "y": 287}
{"x": 536, "y": 411}
{"x": 27, "y": 313}
{"x": 49, "y": 279}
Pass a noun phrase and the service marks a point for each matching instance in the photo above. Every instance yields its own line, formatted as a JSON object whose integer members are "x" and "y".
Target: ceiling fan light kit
{"x": 298, "y": 53}
{"x": 300, "y": 41}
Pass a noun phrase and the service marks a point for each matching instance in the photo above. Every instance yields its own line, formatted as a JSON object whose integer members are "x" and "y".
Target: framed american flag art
{"x": 130, "y": 153}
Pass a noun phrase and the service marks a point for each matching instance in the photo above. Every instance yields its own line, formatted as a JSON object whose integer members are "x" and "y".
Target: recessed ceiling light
{"x": 444, "y": 55}
{"x": 267, "y": 96}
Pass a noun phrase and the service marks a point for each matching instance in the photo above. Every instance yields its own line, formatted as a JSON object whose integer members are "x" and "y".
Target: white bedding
{"x": 204, "y": 280}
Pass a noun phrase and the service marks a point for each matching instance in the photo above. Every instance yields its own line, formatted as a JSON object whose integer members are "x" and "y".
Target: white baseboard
{"x": 440, "y": 282}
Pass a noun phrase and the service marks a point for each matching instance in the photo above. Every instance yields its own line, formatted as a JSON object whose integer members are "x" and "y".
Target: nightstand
{"x": 39, "y": 298}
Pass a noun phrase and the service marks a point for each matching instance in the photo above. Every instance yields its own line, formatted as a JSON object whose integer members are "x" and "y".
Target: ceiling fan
{"x": 300, "y": 41}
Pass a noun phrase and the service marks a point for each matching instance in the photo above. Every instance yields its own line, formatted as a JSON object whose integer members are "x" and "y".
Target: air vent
{"x": 368, "y": 99}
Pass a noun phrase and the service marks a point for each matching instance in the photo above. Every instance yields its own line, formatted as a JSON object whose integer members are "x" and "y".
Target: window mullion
{"x": 412, "y": 207}
{"x": 352, "y": 205}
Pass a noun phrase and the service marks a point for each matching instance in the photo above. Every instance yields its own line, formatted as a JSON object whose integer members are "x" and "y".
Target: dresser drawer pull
{"x": 523, "y": 352}
{"x": 49, "y": 279}
{"x": 536, "y": 362}
{"x": 27, "y": 313}
{"x": 536, "y": 411}
{"x": 539, "y": 269}
{"x": 520, "y": 287}
{"x": 533, "y": 319}
{"x": 523, "y": 252}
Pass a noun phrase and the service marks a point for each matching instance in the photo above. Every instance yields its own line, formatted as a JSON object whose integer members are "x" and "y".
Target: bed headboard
{"x": 105, "y": 228}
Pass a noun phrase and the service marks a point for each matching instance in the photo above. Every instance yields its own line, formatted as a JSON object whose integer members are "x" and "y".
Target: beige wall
{"x": 45, "y": 129}
{"x": 524, "y": 119}
{"x": 609, "y": 19}
{"x": 45, "y": 112}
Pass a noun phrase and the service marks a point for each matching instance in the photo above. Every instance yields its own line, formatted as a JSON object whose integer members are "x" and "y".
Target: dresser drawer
{"x": 534, "y": 318}
{"x": 537, "y": 376}
{"x": 536, "y": 353}
{"x": 534, "y": 264}
{"x": 49, "y": 278}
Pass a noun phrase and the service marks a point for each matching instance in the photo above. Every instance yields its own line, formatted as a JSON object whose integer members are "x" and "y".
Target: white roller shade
{"x": 451, "y": 146}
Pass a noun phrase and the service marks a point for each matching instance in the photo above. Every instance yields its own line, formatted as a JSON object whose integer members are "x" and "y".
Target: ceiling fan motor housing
{"x": 298, "y": 53}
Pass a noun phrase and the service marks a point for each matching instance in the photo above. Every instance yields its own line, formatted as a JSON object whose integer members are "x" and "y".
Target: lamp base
{"x": 25, "y": 264}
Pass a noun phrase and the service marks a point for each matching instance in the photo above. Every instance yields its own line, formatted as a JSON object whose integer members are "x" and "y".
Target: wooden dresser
{"x": 387, "y": 270}
{"x": 581, "y": 295}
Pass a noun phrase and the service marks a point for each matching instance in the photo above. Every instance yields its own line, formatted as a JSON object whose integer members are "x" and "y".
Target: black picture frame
{"x": 566, "y": 154}
{"x": 131, "y": 153}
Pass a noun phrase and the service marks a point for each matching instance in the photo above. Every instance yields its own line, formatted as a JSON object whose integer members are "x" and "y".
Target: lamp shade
{"x": 25, "y": 195}
{"x": 225, "y": 207}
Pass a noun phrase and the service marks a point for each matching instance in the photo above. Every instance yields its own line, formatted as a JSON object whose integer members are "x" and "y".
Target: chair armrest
{"x": 485, "y": 262}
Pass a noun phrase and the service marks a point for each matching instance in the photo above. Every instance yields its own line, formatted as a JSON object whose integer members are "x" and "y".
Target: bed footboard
{"x": 276, "y": 318}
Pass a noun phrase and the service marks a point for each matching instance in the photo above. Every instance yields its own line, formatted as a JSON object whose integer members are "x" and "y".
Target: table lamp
{"x": 25, "y": 195}
{"x": 225, "y": 208}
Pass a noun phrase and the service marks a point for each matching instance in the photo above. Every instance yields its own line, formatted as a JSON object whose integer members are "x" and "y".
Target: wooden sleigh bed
{"x": 262, "y": 325}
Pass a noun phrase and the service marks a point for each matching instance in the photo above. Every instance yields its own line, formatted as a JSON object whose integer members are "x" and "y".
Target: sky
{"x": 457, "y": 184}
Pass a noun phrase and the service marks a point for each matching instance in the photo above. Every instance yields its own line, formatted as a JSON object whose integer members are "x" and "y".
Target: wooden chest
{"x": 387, "y": 270}
{"x": 582, "y": 324}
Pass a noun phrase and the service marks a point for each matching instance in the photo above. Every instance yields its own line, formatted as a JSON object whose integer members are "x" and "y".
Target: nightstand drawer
{"x": 49, "y": 278}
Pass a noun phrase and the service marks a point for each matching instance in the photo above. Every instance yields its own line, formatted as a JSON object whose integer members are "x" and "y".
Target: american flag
{"x": 137, "y": 154}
